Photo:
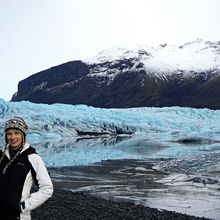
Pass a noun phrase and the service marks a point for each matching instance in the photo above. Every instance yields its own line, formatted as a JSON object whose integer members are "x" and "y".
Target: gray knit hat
{"x": 17, "y": 123}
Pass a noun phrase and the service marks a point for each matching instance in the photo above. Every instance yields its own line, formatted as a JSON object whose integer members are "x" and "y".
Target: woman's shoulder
{"x": 35, "y": 158}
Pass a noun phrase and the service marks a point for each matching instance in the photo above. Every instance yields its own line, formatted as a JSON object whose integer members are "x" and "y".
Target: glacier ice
{"x": 188, "y": 139}
{"x": 80, "y": 134}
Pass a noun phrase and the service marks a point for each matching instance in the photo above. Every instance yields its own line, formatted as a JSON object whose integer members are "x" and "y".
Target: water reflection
{"x": 83, "y": 150}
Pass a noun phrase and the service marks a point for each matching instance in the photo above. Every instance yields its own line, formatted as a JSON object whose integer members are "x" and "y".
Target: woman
{"x": 20, "y": 165}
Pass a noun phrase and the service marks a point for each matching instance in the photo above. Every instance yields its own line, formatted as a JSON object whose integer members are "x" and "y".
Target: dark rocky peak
{"x": 54, "y": 76}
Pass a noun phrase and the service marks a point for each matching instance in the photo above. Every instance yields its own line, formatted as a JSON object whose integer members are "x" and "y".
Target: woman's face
{"x": 14, "y": 138}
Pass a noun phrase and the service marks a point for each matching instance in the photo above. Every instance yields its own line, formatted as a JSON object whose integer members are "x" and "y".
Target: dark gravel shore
{"x": 67, "y": 206}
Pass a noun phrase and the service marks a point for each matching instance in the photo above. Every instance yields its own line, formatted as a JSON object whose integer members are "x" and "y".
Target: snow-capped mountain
{"x": 133, "y": 76}
{"x": 192, "y": 57}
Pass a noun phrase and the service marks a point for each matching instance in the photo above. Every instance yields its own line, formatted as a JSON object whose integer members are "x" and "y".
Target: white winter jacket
{"x": 16, "y": 183}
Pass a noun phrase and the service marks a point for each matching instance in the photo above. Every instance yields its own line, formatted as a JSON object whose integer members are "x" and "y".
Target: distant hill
{"x": 133, "y": 76}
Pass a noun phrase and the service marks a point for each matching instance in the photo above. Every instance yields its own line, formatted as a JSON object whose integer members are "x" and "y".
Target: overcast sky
{"x": 38, "y": 34}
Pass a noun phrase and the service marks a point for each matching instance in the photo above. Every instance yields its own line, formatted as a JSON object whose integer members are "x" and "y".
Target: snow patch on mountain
{"x": 119, "y": 53}
{"x": 189, "y": 59}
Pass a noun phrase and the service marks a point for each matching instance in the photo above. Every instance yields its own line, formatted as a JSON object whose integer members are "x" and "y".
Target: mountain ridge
{"x": 135, "y": 76}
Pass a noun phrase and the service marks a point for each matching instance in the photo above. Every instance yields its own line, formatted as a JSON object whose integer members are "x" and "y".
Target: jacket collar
{"x": 26, "y": 146}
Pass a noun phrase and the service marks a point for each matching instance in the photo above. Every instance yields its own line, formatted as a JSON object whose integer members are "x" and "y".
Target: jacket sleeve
{"x": 45, "y": 185}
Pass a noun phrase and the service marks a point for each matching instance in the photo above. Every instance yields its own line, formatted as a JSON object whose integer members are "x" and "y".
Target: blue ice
{"x": 67, "y": 135}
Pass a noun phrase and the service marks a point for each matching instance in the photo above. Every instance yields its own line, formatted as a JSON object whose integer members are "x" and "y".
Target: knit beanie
{"x": 18, "y": 124}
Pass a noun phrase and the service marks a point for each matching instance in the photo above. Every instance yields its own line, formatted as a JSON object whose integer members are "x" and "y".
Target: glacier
{"x": 83, "y": 134}
{"x": 182, "y": 142}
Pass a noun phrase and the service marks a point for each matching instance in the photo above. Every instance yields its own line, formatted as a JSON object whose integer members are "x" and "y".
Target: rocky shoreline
{"x": 66, "y": 205}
